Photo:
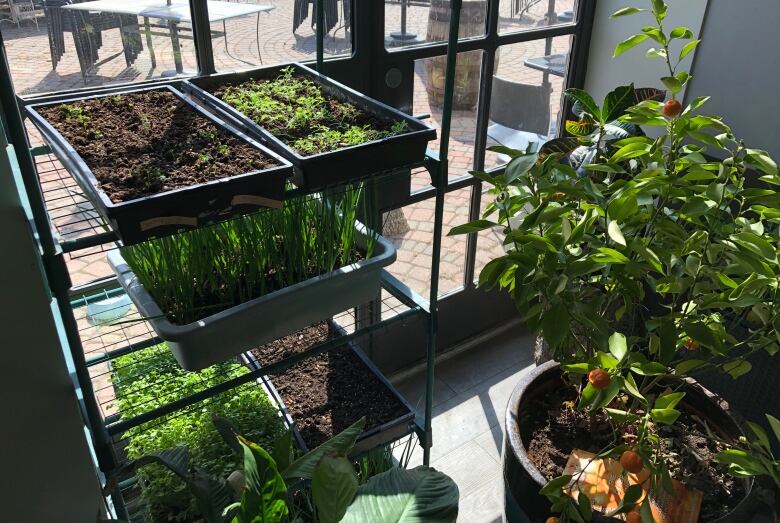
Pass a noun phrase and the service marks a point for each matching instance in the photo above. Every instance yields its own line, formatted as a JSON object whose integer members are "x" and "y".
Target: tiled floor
{"x": 470, "y": 397}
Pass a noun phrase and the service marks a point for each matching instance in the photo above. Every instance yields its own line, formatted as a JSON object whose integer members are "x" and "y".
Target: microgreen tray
{"x": 316, "y": 171}
{"x": 250, "y": 324}
{"x": 170, "y": 211}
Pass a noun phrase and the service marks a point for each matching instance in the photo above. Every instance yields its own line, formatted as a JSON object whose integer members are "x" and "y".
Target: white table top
{"x": 178, "y": 11}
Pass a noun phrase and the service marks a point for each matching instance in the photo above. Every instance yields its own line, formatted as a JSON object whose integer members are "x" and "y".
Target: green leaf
{"x": 632, "y": 150}
{"x": 212, "y": 495}
{"x": 611, "y": 256}
{"x": 688, "y": 48}
{"x": 283, "y": 450}
{"x": 581, "y": 128}
{"x": 621, "y": 416}
{"x": 419, "y": 495}
{"x": 555, "y": 485}
{"x": 649, "y": 368}
{"x": 630, "y": 385}
{"x": 684, "y": 367}
{"x": 475, "y": 226}
{"x": 649, "y": 93}
{"x": 659, "y": 10}
{"x": 668, "y": 400}
{"x": 339, "y": 445}
{"x": 672, "y": 83}
{"x": 623, "y": 207}
{"x": 265, "y": 497}
{"x": 586, "y": 101}
{"x": 761, "y": 435}
{"x": 333, "y": 486}
{"x": 761, "y": 160}
{"x": 555, "y": 324}
{"x": 747, "y": 462}
{"x": 681, "y": 32}
{"x": 519, "y": 166}
{"x": 617, "y": 101}
{"x": 737, "y": 368}
{"x": 665, "y": 416}
{"x": 626, "y": 11}
{"x": 618, "y": 346}
{"x": 576, "y": 368}
{"x": 615, "y": 233}
{"x": 774, "y": 423}
{"x": 628, "y": 43}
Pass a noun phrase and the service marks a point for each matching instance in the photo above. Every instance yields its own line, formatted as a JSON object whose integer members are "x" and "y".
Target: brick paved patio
{"x": 28, "y": 52}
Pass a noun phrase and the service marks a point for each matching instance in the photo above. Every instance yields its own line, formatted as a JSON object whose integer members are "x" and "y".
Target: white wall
{"x": 738, "y": 64}
{"x": 605, "y": 73}
{"x": 47, "y": 469}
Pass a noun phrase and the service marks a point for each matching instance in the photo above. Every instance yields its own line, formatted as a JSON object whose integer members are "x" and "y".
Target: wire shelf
{"x": 107, "y": 345}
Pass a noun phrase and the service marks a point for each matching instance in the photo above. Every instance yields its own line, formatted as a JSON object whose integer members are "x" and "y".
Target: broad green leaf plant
{"x": 655, "y": 261}
{"x": 270, "y": 483}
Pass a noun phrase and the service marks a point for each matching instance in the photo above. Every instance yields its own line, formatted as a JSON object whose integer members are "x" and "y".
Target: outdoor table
{"x": 551, "y": 63}
{"x": 173, "y": 12}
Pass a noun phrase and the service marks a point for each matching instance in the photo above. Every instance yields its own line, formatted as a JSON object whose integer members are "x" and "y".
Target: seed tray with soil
{"x": 324, "y": 394}
{"x": 153, "y": 163}
{"x": 555, "y": 427}
{"x": 329, "y": 132}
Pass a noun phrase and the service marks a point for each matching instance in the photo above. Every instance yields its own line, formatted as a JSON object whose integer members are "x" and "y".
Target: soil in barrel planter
{"x": 556, "y": 428}
{"x": 299, "y": 113}
{"x": 144, "y": 143}
{"x": 327, "y": 393}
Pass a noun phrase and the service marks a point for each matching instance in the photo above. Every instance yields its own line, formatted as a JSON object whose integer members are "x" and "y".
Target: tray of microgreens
{"x": 330, "y": 132}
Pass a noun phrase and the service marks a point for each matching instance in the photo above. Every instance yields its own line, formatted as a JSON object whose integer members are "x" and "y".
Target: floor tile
{"x": 470, "y": 466}
{"x": 484, "y": 505}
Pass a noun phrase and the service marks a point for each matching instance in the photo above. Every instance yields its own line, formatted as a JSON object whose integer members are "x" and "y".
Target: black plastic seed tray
{"x": 171, "y": 211}
{"x": 321, "y": 170}
{"x": 372, "y": 437}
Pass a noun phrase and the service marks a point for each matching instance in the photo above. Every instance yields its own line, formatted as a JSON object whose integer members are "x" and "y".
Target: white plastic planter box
{"x": 250, "y": 324}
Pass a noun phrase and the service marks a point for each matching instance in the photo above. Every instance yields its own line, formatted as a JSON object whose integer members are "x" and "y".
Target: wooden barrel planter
{"x": 469, "y": 64}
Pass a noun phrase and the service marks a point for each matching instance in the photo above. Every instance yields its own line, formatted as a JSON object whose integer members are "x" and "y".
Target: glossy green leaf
{"x": 555, "y": 324}
{"x": 688, "y": 48}
{"x": 774, "y": 423}
{"x": 615, "y": 233}
{"x": 628, "y": 43}
{"x": 586, "y": 101}
{"x": 737, "y": 368}
{"x": 668, "y": 400}
{"x": 475, "y": 226}
{"x": 618, "y": 345}
{"x": 626, "y": 11}
{"x": 665, "y": 416}
{"x": 681, "y": 33}
{"x": 339, "y": 445}
{"x": 418, "y": 495}
{"x": 581, "y": 128}
{"x": 333, "y": 487}
{"x": 672, "y": 83}
{"x": 617, "y": 101}
{"x": 265, "y": 496}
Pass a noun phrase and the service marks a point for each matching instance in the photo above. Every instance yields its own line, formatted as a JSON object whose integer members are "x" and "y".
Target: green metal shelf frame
{"x": 53, "y": 254}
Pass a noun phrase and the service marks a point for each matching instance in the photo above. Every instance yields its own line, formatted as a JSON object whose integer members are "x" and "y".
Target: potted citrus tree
{"x": 649, "y": 264}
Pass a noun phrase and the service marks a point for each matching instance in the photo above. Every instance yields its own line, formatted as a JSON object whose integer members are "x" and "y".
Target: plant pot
{"x": 250, "y": 324}
{"x": 167, "y": 212}
{"x": 374, "y": 435}
{"x": 522, "y": 480}
{"x": 314, "y": 172}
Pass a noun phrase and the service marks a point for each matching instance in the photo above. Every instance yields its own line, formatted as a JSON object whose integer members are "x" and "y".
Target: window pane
{"x": 526, "y": 97}
{"x": 523, "y": 15}
{"x": 429, "y": 98}
{"x": 280, "y": 31}
{"x": 62, "y": 46}
{"x": 410, "y": 229}
{"x": 415, "y": 22}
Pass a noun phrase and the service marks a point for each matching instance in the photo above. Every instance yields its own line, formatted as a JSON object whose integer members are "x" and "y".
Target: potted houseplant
{"x": 151, "y": 162}
{"x": 278, "y": 271}
{"x": 331, "y": 133}
{"x": 658, "y": 263}
{"x": 321, "y": 485}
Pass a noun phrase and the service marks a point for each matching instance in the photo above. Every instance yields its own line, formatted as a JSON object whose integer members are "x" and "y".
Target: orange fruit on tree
{"x": 672, "y": 108}
{"x": 633, "y": 517}
{"x": 631, "y": 461}
{"x": 691, "y": 344}
{"x": 599, "y": 378}
{"x": 552, "y": 519}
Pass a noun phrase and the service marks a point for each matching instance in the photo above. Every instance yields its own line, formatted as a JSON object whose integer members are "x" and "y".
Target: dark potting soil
{"x": 557, "y": 428}
{"x": 149, "y": 142}
{"x": 327, "y": 393}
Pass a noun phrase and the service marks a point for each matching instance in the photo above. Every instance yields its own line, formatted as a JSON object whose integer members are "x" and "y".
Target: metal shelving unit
{"x": 68, "y": 229}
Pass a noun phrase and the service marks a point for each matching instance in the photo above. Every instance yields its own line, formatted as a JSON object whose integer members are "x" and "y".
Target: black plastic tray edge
{"x": 83, "y": 175}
